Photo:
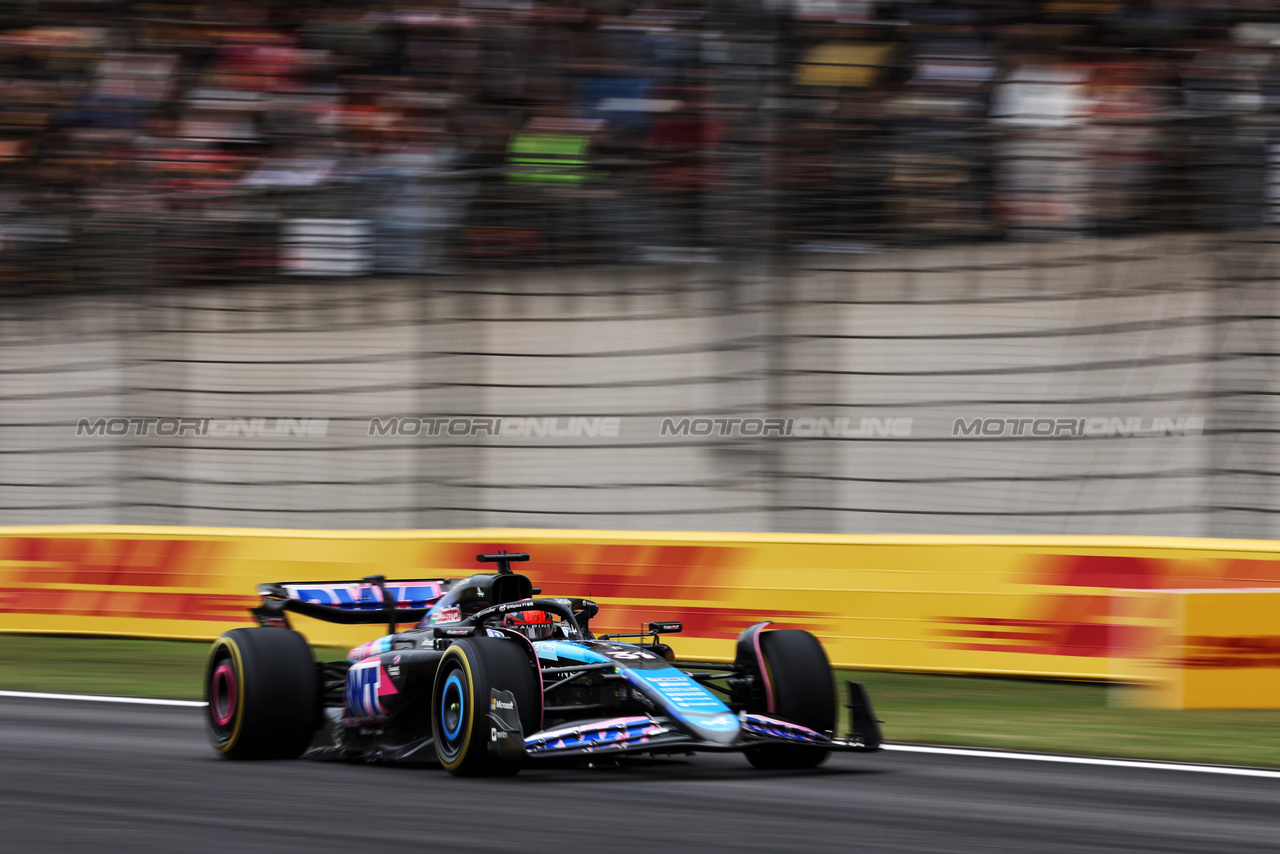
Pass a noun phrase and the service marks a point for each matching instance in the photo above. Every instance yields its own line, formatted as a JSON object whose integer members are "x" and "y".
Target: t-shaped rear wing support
{"x": 503, "y": 560}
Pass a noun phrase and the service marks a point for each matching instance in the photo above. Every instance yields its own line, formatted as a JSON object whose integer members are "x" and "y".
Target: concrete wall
{"x": 1179, "y": 326}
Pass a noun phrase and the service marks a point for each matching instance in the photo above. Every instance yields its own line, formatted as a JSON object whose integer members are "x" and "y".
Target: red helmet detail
{"x": 528, "y": 618}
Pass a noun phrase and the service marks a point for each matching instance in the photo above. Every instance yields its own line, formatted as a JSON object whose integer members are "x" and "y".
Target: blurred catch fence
{"x": 1105, "y": 386}
{"x": 715, "y": 183}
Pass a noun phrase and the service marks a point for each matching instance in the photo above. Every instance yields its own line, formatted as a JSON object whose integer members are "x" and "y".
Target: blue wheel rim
{"x": 452, "y": 694}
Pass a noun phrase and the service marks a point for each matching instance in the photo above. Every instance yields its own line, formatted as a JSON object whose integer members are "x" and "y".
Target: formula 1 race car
{"x": 494, "y": 677}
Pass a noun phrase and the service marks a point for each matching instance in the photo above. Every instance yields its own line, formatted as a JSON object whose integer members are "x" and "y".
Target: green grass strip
{"x": 120, "y": 666}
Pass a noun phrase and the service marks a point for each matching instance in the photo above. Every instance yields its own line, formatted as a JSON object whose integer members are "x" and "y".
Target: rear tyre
{"x": 460, "y": 723}
{"x": 797, "y": 674}
{"x": 263, "y": 691}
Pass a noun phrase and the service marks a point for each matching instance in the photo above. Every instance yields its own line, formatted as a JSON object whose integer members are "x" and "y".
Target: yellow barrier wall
{"x": 1220, "y": 650}
{"x": 1067, "y": 606}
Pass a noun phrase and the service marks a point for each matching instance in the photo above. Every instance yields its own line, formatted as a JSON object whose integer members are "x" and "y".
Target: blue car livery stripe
{"x": 560, "y": 650}
{"x": 684, "y": 699}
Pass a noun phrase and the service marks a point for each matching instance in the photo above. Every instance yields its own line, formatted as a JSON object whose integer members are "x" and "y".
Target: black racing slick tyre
{"x": 460, "y": 703}
{"x": 798, "y": 679}
{"x": 263, "y": 691}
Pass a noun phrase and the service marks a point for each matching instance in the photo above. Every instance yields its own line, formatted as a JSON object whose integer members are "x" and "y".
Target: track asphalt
{"x": 108, "y": 777}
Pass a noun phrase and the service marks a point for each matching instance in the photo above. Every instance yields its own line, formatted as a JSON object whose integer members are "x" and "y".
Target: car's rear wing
{"x": 371, "y": 600}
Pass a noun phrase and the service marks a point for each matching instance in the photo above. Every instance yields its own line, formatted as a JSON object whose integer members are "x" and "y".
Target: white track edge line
{"x": 1086, "y": 760}
{"x": 100, "y": 698}
{"x": 905, "y": 748}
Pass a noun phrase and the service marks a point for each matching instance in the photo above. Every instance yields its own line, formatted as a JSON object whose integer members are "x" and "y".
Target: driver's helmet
{"x": 535, "y": 625}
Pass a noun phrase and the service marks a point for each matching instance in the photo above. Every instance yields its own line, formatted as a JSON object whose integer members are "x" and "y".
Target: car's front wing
{"x": 655, "y": 733}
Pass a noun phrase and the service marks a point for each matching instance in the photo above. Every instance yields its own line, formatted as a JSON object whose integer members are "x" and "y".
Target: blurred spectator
{"x": 447, "y": 132}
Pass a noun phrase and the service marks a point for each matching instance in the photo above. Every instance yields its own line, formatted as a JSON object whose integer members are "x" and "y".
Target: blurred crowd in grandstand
{"x": 172, "y": 140}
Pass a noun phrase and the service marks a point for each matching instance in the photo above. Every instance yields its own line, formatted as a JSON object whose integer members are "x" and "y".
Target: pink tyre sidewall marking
{"x": 222, "y": 686}
{"x": 764, "y": 672}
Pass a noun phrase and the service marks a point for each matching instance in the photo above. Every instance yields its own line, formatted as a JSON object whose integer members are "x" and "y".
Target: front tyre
{"x": 460, "y": 723}
{"x": 263, "y": 692}
{"x": 797, "y": 677}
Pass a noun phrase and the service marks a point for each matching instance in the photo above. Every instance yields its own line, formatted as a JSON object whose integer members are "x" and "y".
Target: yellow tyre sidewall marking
{"x": 469, "y": 716}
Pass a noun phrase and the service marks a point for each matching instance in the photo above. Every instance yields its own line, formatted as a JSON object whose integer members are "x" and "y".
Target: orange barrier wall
{"x": 1074, "y": 607}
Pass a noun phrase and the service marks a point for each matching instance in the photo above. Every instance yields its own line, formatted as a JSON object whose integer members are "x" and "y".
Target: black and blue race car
{"x": 494, "y": 677}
